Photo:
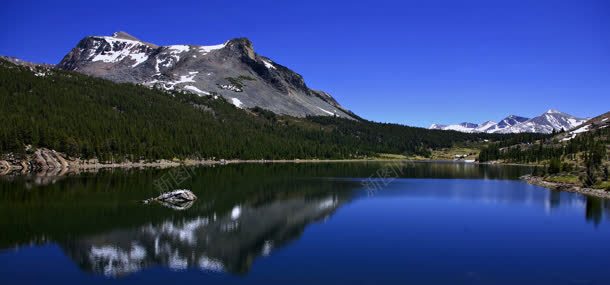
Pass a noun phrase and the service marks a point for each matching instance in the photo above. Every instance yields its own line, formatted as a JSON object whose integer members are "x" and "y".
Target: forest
{"x": 88, "y": 117}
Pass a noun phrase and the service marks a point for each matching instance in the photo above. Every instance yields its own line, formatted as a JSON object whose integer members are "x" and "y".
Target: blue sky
{"x": 409, "y": 62}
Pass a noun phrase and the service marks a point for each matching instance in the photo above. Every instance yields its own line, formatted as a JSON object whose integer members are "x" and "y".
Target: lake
{"x": 303, "y": 223}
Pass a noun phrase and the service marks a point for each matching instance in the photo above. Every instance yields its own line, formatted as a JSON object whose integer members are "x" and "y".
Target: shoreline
{"x": 47, "y": 162}
{"x": 508, "y": 163}
{"x": 62, "y": 166}
{"x": 566, "y": 187}
{"x": 84, "y": 166}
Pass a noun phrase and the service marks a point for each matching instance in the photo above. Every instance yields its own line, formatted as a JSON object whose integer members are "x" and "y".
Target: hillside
{"x": 88, "y": 117}
{"x": 578, "y": 156}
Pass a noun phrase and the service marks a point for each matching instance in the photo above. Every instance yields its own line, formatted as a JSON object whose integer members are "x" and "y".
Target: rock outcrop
{"x": 41, "y": 160}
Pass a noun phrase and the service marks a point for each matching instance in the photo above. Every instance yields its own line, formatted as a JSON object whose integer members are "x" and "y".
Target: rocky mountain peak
{"x": 511, "y": 120}
{"x": 243, "y": 46}
{"x": 243, "y": 42}
{"x": 232, "y": 70}
{"x": 553, "y": 111}
{"x": 468, "y": 125}
{"x": 125, "y": 36}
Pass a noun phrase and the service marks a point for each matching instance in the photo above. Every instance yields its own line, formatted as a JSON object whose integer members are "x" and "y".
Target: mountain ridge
{"x": 232, "y": 70}
{"x": 551, "y": 120}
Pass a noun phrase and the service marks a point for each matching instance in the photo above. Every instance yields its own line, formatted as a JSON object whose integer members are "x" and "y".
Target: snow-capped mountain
{"x": 486, "y": 127}
{"x": 231, "y": 69}
{"x": 461, "y": 127}
{"x": 545, "y": 123}
{"x": 551, "y": 120}
{"x": 505, "y": 123}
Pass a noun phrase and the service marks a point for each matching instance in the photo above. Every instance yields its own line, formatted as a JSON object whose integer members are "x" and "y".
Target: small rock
{"x": 178, "y": 199}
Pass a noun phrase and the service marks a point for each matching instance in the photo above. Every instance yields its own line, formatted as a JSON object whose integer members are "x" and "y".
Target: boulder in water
{"x": 178, "y": 199}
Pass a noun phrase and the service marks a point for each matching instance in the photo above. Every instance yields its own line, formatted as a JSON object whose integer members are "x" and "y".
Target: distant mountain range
{"x": 545, "y": 123}
{"x": 231, "y": 70}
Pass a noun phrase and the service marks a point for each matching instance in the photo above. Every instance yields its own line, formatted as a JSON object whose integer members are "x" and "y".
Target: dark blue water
{"x": 305, "y": 224}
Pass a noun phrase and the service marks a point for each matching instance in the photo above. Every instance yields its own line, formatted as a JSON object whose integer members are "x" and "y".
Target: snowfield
{"x": 206, "y": 49}
{"x": 268, "y": 64}
{"x": 196, "y": 90}
{"x": 237, "y": 103}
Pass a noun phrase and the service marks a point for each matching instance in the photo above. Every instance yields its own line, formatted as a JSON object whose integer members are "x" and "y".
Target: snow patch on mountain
{"x": 581, "y": 130}
{"x": 462, "y": 127}
{"x": 326, "y": 111}
{"x": 206, "y": 49}
{"x": 139, "y": 58}
{"x": 119, "y": 49}
{"x": 184, "y": 79}
{"x": 268, "y": 64}
{"x": 231, "y": 87}
{"x": 196, "y": 90}
{"x": 485, "y": 126}
{"x": 237, "y": 103}
{"x": 176, "y": 49}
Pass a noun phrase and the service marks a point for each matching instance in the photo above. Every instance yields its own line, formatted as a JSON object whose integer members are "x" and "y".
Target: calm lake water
{"x": 342, "y": 223}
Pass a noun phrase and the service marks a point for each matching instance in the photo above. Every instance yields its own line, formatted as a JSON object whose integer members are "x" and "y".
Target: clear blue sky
{"x": 410, "y": 62}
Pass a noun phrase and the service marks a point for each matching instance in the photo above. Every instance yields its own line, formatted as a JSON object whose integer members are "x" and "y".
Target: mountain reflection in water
{"x": 228, "y": 242}
{"x": 246, "y": 212}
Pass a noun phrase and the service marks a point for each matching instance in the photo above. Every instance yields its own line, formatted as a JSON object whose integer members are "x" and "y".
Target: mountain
{"x": 545, "y": 123}
{"x": 594, "y": 124}
{"x": 486, "y": 127}
{"x": 30, "y": 65}
{"x": 506, "y": 123}
{"x": 551, "y": 120}
{"x": 232, "y": 70}
{"x": 464, "y": 127}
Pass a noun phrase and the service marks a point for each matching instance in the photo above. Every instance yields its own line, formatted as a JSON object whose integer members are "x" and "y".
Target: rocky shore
{"x": 567, "y": 187}
{"x": 46, "y": 162}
